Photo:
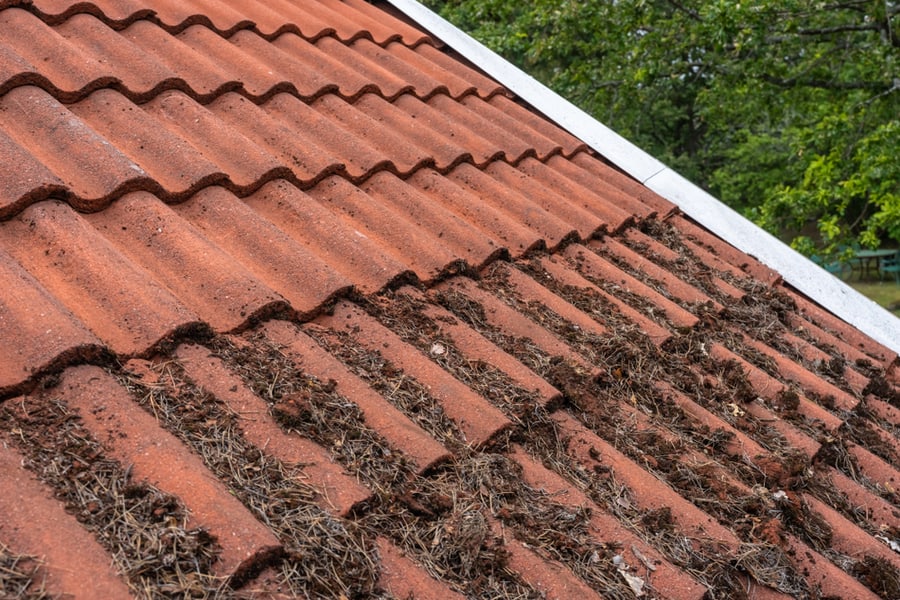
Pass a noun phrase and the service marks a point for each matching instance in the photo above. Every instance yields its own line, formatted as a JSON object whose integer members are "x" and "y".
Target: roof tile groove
{"x": 105, "y": 290}
{"x": 401, "y": 331}
{"x": 596, "y": 267}
{"x": 380, "y": 414}
{"x": 153, "y": 454}
{"x": 645, "y": 489}
{"x": 337, "y": 490}
{"x": 556, "y": 270}
{"x": 635, "y": 262}
{"x": 478, "y": 348}
{"x": 478, "y": 420}
{"x": 191, "y": 266}
{"x": 676, "y": 583}
{"x": 36, "y": 524}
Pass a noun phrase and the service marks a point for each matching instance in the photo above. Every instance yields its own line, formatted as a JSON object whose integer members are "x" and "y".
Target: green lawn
{"x": 886, "y": 293}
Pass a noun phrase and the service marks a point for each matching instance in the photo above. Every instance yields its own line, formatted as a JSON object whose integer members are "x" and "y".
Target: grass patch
{"x": 884, "y": 293}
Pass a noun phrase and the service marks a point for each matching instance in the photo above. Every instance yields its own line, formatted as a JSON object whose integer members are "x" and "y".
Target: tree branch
{"x": 840, "y": 29}
{"x": 689, "y": 11}
{"x": 793, "y": 82}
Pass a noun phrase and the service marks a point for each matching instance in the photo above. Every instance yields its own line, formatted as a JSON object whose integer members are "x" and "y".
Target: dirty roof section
{"x": 297, "y": 304}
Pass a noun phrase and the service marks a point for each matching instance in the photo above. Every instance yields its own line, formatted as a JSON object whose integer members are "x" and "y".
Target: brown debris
{"x": 143, "y": 528}
{"x": 20, "y": 576}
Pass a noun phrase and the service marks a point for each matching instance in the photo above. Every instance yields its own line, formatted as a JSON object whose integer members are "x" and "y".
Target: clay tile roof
{"x": 295, "y": 303}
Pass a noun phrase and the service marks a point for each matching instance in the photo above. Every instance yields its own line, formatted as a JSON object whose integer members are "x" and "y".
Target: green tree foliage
{"x": 785, "y": 109}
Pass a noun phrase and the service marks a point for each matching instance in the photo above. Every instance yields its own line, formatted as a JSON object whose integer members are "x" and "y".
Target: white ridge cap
{"x": 816, "y": 283}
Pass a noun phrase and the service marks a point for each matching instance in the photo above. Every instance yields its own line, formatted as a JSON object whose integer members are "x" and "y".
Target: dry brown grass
{"x": 325, "y": 556}
{"x": 143, "y": 528}
{"x": 19, "y": 576}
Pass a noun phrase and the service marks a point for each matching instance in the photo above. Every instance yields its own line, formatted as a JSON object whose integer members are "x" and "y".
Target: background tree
{"x": 785, "y": 109}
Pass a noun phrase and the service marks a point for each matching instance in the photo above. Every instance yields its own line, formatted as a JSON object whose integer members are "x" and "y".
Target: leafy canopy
{"x": 785, "y": 109}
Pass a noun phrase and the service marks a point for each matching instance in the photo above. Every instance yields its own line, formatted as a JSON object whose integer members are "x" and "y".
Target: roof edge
{"x": 816, "y": 283}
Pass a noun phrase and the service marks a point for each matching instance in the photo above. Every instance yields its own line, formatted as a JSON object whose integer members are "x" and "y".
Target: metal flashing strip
{"x": 795, "y": 269}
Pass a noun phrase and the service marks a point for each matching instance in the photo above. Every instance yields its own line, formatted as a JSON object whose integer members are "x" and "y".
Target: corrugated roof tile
{"x": 567, "y": 276}
{"x": 174, "y": 165}
{"x": 425, "y": 78}
{"x": 346, "y": 249}
{"x": 405, "y": 435}
{"x": 607, "y": 215}
{"x": 202, "y": 77}
{"x": 400, "y": 238}
{"x": 176, "y": 14}
{"x": 206, "y": 279}
{"x": 38, "y": 330}
{"x": 508, "y": 320}
{"x": 402, "y": 578}
{"x": 579, "y": 219}
{"x": 93, "y": 169}
{"x": 673, "y": 285}
{"x": 219, "y": 203}
{"x": 850, "y": 539}
{"x": 18, "y": 68}
{"x": 844, "y": 332}
{"x": 489, "y": 218}
{"x": 617, "y": 179}
{"x": 724, "y": 250}
{"x": 135, "y": 438}
{"x": 111, "y": 11}
{"x": 336, "y": 489}
{"x": 366, "y": 130}
{"x": 470, "y": 244}
{"x": 477, "y": 348}
{"x": 550, "y": 579}
{"x": 676, "y": 583}
{"x": 823, "y": 575}
{"x": 29, "y": 182}
{"x": 206, "y": 131}
{"x": 487, "y": 87}
{"x": 35, "y": 524}
{"x": 552, "y": 229}
{"x": 299, "y": 275}
{"x": 645, "y": 490}
{"x": 596, "y": 267}
{"x": 478, "y": 420}
{"x": 567, "y": 142}
{"x": 121, "y": 303}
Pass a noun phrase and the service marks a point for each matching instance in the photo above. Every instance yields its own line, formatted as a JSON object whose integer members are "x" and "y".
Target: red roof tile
{"x": 336, "y": 311}
{"x": 36, "y": 525}
{"x": 134, "y": 438}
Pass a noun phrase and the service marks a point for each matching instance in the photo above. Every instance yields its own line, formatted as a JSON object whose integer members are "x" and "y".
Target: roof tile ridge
{"x": 48, "y": 373}
{"x": 178, "y": 84}
{"x": 196, "y": 332}
{"x": 84, "y": 7}
{"x": 147, "y": 184}
{"x": 289, "y": 28}
{"x": 294, "y": 29}
{"x": 443, "y": 90}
